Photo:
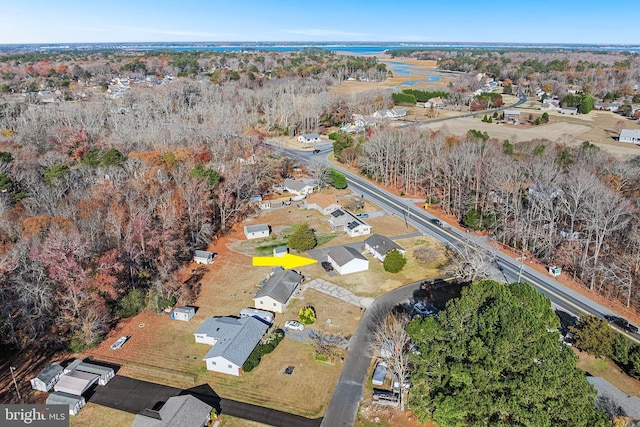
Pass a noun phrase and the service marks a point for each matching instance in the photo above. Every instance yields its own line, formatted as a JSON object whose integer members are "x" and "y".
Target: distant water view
{"x": 355, "y": 48}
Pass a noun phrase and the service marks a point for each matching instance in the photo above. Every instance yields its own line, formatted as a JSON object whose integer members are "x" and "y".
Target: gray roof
{"x": 342, "y": 255}
{"x": 50, "y": 372}
{"x": 343, "y": 218}
{"x": 630, "y": 134}
{"x": 611, "y": 397}
{"x": 183, "y": 411}
{"x": 280, "y": 286}
{"x": 310, "y": 135}
{"x": 91, "y": 368}
{"x": 60, "y": 398}
{"x": 256, "y": 228}
{"x": 382, "y": 244}
{"x": 298, "y": 184}
{"x": 185, "y": 309}
{"x": 236, "y": 337}
{"x": 203, "y": 254}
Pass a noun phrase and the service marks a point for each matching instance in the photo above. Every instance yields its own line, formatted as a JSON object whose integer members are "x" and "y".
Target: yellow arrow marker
{"x": 287, "y": 261}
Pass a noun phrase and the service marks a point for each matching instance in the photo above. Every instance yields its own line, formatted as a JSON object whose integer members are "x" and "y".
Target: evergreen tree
{"x": 492, "y": 357}
{"x": 302, "y": 239}
{"x": 394, "y": 261}
{"x": 337, "y": 179}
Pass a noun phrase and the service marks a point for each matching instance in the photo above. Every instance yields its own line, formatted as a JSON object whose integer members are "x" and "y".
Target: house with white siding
{"x": 347, "y": 260}
{"x": 277, "y": 291}
{"x": 233, "y": 339}
{"x": 630, "y": 135}
{"x": 379, "y": 246}
{"x": 309, "y": 138}
{"x": 258, "y": 231}
{"x": 47, "y": 378}
{"x": 342, "y": 220}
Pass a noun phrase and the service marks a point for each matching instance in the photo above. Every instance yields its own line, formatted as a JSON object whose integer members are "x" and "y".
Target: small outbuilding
{"x": 184, "y": 313}
{"x": 263, "y": 315}
{"x": 280, "y": 251}
{"x": 105, "y": 373}
{"x": 76, "y": 382}
{"x": 203, "y": 257}
{"x": 347, "y": 260}
{"x": 47, "y": 378}
{"x": 379, "y": 374}
{"x": 258, "y": 231}
{"x": 75, "y": 402}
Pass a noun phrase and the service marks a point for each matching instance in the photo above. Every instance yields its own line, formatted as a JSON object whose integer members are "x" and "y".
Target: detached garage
{"x": 75, "y": 402}
{"x": 347, "y": 260}
{"x": 183, "y": 313}
{"x": 47, "y": 378}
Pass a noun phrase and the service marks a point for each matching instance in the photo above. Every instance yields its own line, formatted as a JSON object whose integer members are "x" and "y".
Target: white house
{"x": 342, "y": 220}
{"x": 550, "y": 105}
{"x": 104, "y": 373}
{"x": 389, "y": 114}
{"x": 630, "y": 135}
{"x": 184, "y": 313}
{"x": 309, "y": 138}
{"x": 299, "y": 186}
{"x": 347, "y": 260}
{"x": 75, "y": 402}
{"x": 379, "y": 246}
{"x": 258, "y": 231}
{"x": 184, "y": 411}
{"x": 203, "y": 257}
{"x": 233, "y": 340}
{"x": 571, "y": 111}
{"x": 47, "y": 378}
{"x": 321, "y": 202}
{"x": 277, "y": 291}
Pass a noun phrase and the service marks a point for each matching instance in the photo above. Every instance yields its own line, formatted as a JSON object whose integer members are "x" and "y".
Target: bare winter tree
{"x": 469, "y": 263}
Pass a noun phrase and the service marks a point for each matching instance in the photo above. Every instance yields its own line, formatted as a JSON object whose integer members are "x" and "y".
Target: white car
{"x": 294, "y": 325}
{"x": 118, "y": 344}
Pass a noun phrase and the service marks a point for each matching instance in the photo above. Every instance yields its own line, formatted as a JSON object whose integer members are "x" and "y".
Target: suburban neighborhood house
{"x": 309, "y": 138}
{"x": 379, "y": 246}
{"x": 630, "y": 135}
{"x": 512, "y": 116}
{"x": 277, "y": 291}
{"x": 183, "y": 411}
{"x": 323, "y": 203}
{"x": 258, "y": 231}
{"x": 301, "y": 187}
{"x": 347, "y": 260}
{"x": 389, "y": 114}
{"x": 342, "y": 220}
{"x": 233, "y": 339}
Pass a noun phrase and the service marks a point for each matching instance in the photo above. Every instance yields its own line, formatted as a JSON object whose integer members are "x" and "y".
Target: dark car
{"x": 316, "y": 151}
{"x": 437, "y": 222}
{"x": 623, "y": 323}
{"x": 327, "y": 266}
{"x": 362, "y": 215}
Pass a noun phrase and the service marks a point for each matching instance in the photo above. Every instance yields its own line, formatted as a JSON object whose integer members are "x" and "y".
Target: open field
{"x": 100, "y": 416}
{"x": 608, "y": 370}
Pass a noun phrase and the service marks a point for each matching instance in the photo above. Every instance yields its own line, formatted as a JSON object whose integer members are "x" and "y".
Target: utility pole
{"x": 12, "y": 369}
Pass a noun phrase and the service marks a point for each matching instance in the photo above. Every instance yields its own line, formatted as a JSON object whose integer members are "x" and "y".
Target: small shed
{"x": 105, "y": 373}
{"x": 379, "y": 374}
{"x": 47, "y": 378}
{"x": 75, "y": 402}
{"x": 257, "y": 231}
{"x": 184, "y": 313}
{"x": 76, "y": 382}
{"x": 554, "y": 270}
{"x": 203, "y": 257}
{"x": 280, "y": 251}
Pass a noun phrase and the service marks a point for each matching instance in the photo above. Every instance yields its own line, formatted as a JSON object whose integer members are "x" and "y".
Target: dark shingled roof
{"x": 280, "y": 286}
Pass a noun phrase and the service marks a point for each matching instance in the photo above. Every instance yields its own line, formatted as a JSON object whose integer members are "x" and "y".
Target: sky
{"x": 115, "y": 21}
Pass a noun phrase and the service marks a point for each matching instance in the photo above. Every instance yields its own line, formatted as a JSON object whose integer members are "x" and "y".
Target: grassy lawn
{"x": 100, "y": 416}
{"x": 608, "y": 370}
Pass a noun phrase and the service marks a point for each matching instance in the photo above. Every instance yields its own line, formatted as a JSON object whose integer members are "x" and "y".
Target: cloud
{"x": 318, "y": 32}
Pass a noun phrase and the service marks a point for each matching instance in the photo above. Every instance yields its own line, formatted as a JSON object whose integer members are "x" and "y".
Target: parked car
{"x": 327, "y": 266}
{"x": 623, "y": 323}
{"x": 316, "y": 151}
{"x": 437, "y": 222}
{"x": 424, "y": 309}
{"x": 119, "y": 343}
{"x": 362, "y": 215}
{"x": 293, "y": 325}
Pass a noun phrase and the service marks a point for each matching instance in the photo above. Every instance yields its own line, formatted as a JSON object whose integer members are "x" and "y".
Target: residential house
{"x": 347, "y": 260}
{"x": 233, "y": 340}
{"x": 203, "y": 257}
{"x": 342, "y": 220}
{"x": 571, "y": 111}
{"x": 434, "y": 103}
{"x": 47, "y": 378}
{"x": 75, "y": 402}
{"x": 614, "y": 107}
{"x": 184, "y": 313}
{"x": 105, "y": 373}
{"x": 277, "y": 291}
{"x": 512, "y": 116}
{"x": 309, "y": 138}
{"x": 257, "y": 231}
{"x": 76, "y": 382}
{"x": 550, "y": 105}
{"x": 323, "y": 203}
{"x": 299, "y": 186}
{"x": 611, "y": 398}
{"x": 389, "y": 114}
{"x": 379, "y": 246}
{"x": 630, "y": 135}
{"x": 183, "y": 411}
